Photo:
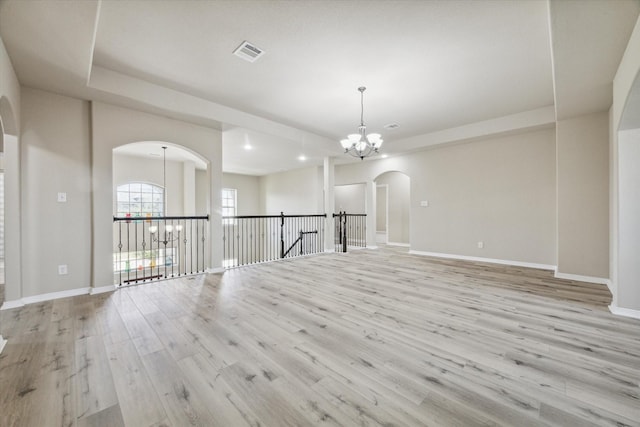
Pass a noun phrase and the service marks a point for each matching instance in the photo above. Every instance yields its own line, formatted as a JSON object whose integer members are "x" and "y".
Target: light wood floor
{"x": 369, "y": 338}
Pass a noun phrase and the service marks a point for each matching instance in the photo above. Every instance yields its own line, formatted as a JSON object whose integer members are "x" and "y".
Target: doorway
{"x": 382, "y": 213}
{"x": 393, "y": 203}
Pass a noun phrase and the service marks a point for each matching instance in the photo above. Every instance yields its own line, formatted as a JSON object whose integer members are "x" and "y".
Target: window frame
{"x": 229, "y": 221}
{"x": 144, "y": 213}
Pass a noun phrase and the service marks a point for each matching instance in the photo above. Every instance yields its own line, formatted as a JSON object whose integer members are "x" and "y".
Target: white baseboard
{"x": 215, "y": 270}
{"x": 579, "y": 278}
{"x": 55, "y": 295}
{"x": 370, "y": 247}
{"x": 102, "y": 289}
{"x": 489, "y": 260}
{"x": 626, "y": 312}
{"x": 8, "y": 305}
{"x": 3, "y": 342}
{"x": 329, "y": 251}
{"x": 404, "y": 245}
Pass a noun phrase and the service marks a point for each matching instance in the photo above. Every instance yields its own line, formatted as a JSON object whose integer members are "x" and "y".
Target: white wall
{"x": 248, "y": 192}
{"x": 55, "y": 153}
{"x": 499, "y": 190}
{"x": 299, "y": 191}
{"x": 399, "y": 205}
{"x": 201, "y": 193}
{"x": 582, "y": 146}
{"x": 140, "y": 169}
{"x": 350, "y": 198}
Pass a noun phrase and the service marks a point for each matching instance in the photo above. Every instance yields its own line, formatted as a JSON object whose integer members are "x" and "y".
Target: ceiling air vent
{"x": 248, "y": 52}
{"x": 391, "y": 126}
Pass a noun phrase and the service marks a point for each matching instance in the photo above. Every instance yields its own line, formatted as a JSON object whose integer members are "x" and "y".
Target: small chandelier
{"x": 362, "y": 144}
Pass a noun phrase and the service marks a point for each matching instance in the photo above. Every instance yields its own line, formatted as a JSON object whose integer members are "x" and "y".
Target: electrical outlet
{"x": 424, "y": 203}
{"x": 62, "y": 269}
{"x": 62, "y": 197}
{"x": 480, "y": 245}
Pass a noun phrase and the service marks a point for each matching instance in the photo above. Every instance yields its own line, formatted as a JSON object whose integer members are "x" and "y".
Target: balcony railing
{"x": 153, "y": 248}
{"x": 254, "y": 239}
{"x": 350, "y": 230}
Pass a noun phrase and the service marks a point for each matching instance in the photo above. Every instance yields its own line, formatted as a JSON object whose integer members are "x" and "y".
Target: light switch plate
{"x": 424, "y": 203}
{"x": 62, "y": 197}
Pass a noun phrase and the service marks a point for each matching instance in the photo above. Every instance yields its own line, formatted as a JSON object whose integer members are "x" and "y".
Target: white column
{"x": 371, "y": 214}
{"x": 12, "y": 223}
{"x": 329, "y": 203}
{"x": 102, "y": 212}
{"x": 214, "y": 172}
{"x": 189, "y": 190}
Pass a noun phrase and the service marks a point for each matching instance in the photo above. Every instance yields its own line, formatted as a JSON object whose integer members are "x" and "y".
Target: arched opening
{"x": 11, "y": 290}
{"x": 393, "y": 205}
{"x": 2, "y": 261}
{"x": 160, "y": 202}
{"x": 626, "y": 241}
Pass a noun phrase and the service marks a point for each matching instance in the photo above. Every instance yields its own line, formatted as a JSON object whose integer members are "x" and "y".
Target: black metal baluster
{"x": 198, "y": 247}
{"x": 120, "y": 251}
{"x": 128, "y": 253}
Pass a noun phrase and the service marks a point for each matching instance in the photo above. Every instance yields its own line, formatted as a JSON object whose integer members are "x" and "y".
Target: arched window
{"x": 140, "y": 199}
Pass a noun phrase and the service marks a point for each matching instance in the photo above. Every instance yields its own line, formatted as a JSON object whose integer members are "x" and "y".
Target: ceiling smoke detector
{"x": 391, "y": 126}
{"x": 248, "y": 52}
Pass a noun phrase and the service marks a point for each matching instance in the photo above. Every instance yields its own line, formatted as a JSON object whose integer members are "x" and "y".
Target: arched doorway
{"x": 2, "y": 262}
{"x": 626, "y": 229}
{"x": 11, "y": 292}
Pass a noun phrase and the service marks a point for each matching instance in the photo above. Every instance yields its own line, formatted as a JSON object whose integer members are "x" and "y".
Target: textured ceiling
{"x": 441, "y": 70}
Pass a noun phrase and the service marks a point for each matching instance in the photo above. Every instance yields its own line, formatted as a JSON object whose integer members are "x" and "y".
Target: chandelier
{"x": 362, "y": 144}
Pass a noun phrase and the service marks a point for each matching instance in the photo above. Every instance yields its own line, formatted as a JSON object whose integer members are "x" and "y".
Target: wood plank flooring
{"x": 368, "y": 338}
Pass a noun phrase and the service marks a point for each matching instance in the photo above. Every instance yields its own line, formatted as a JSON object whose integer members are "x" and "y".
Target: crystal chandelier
{"x": 362, "y": 144}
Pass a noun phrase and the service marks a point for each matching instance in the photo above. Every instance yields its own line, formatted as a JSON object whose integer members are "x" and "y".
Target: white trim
{"x": 329, "y": 251}
{"x": 8, "y": 305}
{"x": 360, "y": 247}
{"x": 3, "y": 342}
{"x": 627, "y": 312}
{"x": 215, "y": 270}
{"x": 579, "y": 278}
{"x": 404, "y": 245}
{"x": 102, "y": 289}
{"x": 55, "y": 295}
{"x": 490, "y": 260}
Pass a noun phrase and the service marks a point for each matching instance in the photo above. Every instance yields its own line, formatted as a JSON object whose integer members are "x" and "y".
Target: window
{"x": 228, "y": 204}
{"x": 140, "y": 199}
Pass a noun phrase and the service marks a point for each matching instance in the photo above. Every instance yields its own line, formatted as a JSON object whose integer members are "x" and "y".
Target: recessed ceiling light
{"x": 391, "y": 126}
{"x": 248, "y": 147}
{"x": 384, "y": 156}
{"x": 302, "y": 158}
